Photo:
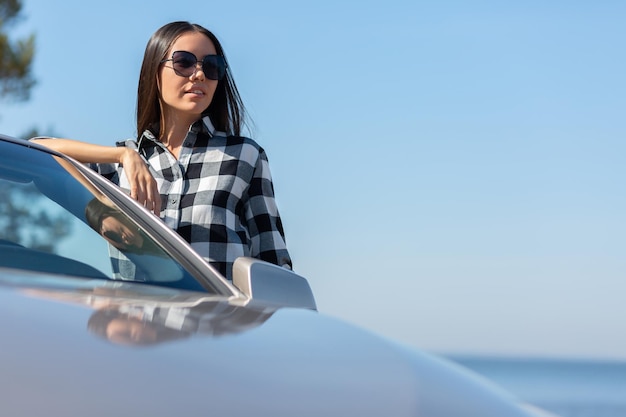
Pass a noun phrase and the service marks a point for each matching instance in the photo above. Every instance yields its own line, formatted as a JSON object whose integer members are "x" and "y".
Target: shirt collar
{"x": 206, "y": 125}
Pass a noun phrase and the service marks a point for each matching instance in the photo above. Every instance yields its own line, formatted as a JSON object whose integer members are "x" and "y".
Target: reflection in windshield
{"x": 133, "y": 254}
{"x": 119, "y": 230}
{"x": 114, "y": 226}
{"x": 26, "y": 220}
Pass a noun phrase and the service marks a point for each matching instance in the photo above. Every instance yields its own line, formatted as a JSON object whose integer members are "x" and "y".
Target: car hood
{"x": 196, "y": 355}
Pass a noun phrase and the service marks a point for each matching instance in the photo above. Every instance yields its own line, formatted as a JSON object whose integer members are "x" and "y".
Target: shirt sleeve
{"x": 112, "y": 171}
{"x": 264, "y": 224}
{"x": 109, "y": 171}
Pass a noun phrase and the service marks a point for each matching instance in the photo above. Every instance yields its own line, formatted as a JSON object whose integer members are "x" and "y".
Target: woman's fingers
{"x": 143, "y": 186}
{"x": 154, "y": 197}
{"x": 144, "y": 189}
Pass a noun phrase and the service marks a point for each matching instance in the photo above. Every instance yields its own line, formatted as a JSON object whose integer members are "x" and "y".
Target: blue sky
{"x": 450, "y": 174}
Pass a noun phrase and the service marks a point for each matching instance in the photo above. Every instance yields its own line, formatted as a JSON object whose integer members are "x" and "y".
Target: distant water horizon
{"x": 567, "y": 387}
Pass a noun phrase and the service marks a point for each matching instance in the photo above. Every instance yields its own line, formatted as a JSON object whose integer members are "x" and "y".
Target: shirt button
{"x": 173, "y": 200}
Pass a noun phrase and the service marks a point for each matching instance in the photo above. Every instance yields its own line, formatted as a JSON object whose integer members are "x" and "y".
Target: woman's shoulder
{"x": 128, "y": 143}
{"x": 242, "y": 141}
{"x": 237, "y": 144}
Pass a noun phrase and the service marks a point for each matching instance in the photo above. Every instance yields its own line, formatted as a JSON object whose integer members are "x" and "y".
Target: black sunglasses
{"x": 185, "y": 63}
{"x": 114, "y": 237}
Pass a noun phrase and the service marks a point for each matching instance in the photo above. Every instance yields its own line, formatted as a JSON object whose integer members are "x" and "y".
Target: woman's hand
{"x": 143, "y": 186}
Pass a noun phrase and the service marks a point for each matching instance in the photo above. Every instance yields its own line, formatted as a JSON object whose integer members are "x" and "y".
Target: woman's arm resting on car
{"x": 143, "y": 187}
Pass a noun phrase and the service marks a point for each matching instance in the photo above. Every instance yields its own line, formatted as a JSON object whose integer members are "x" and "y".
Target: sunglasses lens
{"x": 184, "y": 62}
{"x": 112, "y": 236}
{"x": 213, "y": 67}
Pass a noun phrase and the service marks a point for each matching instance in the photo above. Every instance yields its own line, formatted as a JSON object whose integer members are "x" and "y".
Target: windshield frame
{"x": 172, "y": 243}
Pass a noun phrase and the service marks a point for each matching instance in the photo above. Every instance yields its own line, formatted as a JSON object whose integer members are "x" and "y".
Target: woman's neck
{"x": 173, "y": 132}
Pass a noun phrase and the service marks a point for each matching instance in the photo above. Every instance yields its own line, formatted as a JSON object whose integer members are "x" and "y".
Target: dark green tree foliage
{"x": 16, "y": 56}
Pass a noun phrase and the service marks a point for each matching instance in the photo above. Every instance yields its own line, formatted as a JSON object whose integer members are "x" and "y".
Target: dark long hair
{"x": 226, "y": 110}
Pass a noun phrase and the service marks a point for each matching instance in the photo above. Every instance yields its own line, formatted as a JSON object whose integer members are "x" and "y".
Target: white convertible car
{"x": 104, "y": 311}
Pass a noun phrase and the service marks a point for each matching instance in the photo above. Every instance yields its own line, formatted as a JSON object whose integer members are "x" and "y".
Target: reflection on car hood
{"x": 105, "y": 349}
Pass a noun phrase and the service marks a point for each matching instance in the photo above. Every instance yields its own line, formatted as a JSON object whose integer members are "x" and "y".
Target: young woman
{"x": 189, "y": 164}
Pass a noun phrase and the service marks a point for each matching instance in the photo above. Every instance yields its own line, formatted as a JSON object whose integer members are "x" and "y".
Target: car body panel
{"x": 244, "y": 360}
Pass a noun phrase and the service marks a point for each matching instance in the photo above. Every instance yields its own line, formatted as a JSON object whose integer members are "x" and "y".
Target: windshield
{"x": 53, "y": 220}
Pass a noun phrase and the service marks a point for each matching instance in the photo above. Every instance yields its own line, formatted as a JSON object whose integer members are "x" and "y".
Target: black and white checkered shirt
{"x": 218, "y": 195}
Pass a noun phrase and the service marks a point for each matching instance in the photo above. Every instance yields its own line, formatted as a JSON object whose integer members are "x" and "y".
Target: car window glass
{"x": 53, "y": 220}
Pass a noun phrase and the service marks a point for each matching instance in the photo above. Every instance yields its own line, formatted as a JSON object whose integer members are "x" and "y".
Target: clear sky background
{"x": 450, "y": 174}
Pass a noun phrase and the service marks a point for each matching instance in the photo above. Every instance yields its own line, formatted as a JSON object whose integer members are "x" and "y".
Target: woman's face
{"x": 185, "y": 98}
